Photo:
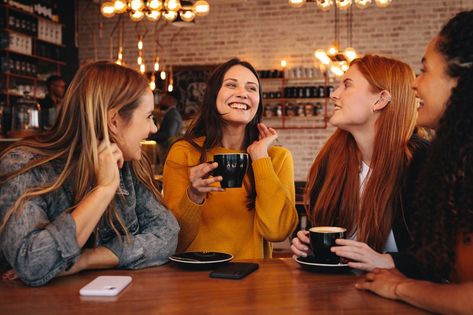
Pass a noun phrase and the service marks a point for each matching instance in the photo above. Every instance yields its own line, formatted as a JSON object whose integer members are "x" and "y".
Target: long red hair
{"x": 332, "y": 194}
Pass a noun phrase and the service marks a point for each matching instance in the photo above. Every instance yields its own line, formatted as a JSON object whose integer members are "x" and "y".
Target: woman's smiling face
{"x": 433, "y": 86}
{"x": 238, "y": 97}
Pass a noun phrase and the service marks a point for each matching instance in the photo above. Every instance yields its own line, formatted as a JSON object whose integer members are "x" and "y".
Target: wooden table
{"x": 278, "y": 287}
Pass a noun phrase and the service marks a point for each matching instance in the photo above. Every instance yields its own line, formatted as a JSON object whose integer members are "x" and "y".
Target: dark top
{"x": 170, "y": 127}
{"x": 403, "y": 223}
{"x": 48, "y": 112}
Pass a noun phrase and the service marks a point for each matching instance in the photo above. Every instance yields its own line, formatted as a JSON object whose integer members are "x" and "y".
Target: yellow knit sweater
{"x": 223, "y": 223}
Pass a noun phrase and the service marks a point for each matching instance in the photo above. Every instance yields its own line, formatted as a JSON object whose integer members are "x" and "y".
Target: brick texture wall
{"x": 265, "y": 31}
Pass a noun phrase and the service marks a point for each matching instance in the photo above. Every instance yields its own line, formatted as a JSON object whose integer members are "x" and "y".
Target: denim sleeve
{"x": 36, "y": 246}
{"x": 156, "y": 239}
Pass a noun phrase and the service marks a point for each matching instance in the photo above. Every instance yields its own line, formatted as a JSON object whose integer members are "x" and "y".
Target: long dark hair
{"x": 444, "y": 199}
{"x": 209, "y": 122}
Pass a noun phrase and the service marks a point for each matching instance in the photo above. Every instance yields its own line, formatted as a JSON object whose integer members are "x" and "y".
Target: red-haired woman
{"x": 363, "y": 177}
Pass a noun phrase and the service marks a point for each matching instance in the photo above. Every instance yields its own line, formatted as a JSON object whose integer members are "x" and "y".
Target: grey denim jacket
{"x": 40, "y": 242}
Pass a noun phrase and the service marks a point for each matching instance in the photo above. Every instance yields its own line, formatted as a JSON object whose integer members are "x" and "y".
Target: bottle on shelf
{"x": 26, "y": 116}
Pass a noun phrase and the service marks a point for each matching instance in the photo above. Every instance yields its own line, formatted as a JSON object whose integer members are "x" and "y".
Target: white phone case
{"x": 105, "y": 286}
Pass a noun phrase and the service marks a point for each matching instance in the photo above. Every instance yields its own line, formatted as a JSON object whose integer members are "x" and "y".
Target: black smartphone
{"x": 235, "y": 270}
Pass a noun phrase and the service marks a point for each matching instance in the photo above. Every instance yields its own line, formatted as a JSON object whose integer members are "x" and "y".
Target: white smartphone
{"x": 105, "y": 286}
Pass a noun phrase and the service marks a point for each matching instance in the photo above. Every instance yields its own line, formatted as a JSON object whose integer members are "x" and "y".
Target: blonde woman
{"x": 364, "y": 176}
{"x": 81, "y": 196}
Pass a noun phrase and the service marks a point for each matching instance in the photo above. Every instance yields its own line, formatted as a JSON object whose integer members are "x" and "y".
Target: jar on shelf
{"x": 309, "y": 110}
{"x": 26, "y": 114}
{"x": 268, "y": 111}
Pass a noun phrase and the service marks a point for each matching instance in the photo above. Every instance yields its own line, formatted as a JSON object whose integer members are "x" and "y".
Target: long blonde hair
{"x": 333, "y": 189}
{"x": 98, "y": 90}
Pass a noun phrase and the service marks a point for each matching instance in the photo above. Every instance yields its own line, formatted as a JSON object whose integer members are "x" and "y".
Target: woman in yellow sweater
{"x": 239, "y": 221}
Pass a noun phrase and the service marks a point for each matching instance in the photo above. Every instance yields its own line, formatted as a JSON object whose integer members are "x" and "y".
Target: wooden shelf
{"x": 20, "y": 76}
{"x": 295, "y": 99}
{"x": 62, "y": 63}
{"x": 32, "y": 14}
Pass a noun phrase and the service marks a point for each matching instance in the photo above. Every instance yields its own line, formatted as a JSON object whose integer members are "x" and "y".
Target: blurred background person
{"x": 169, "y": 128}
{"x": 56, "y": 86}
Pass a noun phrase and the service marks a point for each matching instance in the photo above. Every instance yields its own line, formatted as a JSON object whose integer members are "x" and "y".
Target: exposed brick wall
{"x": 265, "y": 31}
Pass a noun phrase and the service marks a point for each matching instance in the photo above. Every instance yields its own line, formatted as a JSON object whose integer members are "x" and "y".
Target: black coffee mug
{"x": 232, "y": 167}
{"x": 322, "y": 238}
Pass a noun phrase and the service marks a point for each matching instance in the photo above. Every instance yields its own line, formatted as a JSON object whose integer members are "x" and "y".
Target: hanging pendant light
{"x": 343, "y": 4}
{"x": 362, "y": 4}
{"x": 383, "y": 3}
{"x": 296, "y": 3}
{"x": 185, "y": 10}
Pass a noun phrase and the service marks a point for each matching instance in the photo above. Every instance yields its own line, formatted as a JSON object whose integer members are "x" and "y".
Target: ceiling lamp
{"x": 184, "y": 10}
{"x": 334, "y": 59}
{"x": 325, "y": 5}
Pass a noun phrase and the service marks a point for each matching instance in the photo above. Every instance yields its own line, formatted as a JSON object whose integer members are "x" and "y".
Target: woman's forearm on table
{"x": 89, "y": 211}
{"x": 438, "y": 298}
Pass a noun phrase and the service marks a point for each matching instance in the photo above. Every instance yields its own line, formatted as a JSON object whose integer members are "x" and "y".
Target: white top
{"x": 390, "y": 245}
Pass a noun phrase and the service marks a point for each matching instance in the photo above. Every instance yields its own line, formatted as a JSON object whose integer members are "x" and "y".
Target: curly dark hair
{"x": 444, "y": 199}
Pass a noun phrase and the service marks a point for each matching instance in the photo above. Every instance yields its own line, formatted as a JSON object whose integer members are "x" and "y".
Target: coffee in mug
{"x": 232, "y": 168}
{"x": 322, "y": 238}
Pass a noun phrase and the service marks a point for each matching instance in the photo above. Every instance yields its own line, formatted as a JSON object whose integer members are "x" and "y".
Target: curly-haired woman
{"x": 81, "y": 196}
{"x": 443, "y": 242}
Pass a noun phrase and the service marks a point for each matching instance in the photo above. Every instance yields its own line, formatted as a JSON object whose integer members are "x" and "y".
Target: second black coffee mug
{"x": 322, "y": 238}
{"x": 232, "y": 168}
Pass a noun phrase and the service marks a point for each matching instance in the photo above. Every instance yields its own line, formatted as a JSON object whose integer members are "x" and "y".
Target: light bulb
{"x": 201, "y": 8}
{"x": 283, "y": 63}
{"x": 153, "y": 15}
{"x": 136, "y": 5}
{"x": 343, "y": 4}
{"x": 332, "y": 51}
{"x": 172, "y": 5}
{"x": 107, "y": 9}
{"x": 152, "y": 83}
{"x": 383, "y": 3}
{"x": 163, "y": 75}
{"x": 296, "y": 3}
{"x": 170, "y": 16}
{"x": 136, "y": 15}
{"x": 120, "y": 54}
{"x": 336, "y": 70}
{"x": 140, "y": 44}
{"x": 155, "y": 5}
{"x": 139, "y": 60}
{"x": 344, "y": 67}
{"x": 187, "y": 16}
{"x": 118, "y": 62}
{"x": 156, "y": 65}
{"x": 142, "y": 68}
{"x": 324, "y": 5}
{"x": 119, "y": 6}
{"x": 350, "y": 53}
{"x": 170, "y": 87}
{"x": 362, "y": 4}
{"x": 322, "y": 56}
